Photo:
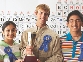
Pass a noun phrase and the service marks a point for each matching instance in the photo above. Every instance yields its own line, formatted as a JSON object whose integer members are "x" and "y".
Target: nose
{"x": 43, "y": 15}
{"x": 74, "y": 23}
{"x": 10, "y": 32}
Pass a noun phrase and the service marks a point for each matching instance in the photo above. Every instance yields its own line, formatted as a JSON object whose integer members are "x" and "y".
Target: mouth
{"x": 11, "y": 36}
{"x": 42, "y": 18}
{"x": 75, "y": 27}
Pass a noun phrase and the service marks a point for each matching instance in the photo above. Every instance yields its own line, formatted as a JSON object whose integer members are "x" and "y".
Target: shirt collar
{"x": 69, "y": 37}
{"x": 5, "y": 44}
{"x": 40, "y": 29}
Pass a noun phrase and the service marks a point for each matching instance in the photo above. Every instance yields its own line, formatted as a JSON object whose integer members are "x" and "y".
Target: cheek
{"x": 5, "y": 33}
{"x": 15, "y": 34}
{"x": 82, "y": 24}
{"x": 47, "y": 18}
{"x": 70, "y": 26}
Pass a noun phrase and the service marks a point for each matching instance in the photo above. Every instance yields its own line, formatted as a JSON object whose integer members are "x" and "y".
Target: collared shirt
{"x": 54, "y": 53}
{"x": 15, "y": 51}
{"x": 71, "y": 48}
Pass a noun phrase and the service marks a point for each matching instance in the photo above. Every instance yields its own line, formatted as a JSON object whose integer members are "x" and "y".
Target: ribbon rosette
{"x": 46, "y": 41}
{"x": 81, "y": 55}
{"x": 8, "y": 51}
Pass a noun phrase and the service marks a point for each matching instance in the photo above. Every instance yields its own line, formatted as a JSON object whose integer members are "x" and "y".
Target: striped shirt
{"x": 70, "y": 48}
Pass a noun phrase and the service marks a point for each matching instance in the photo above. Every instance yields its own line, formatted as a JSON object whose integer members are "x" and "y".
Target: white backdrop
{"x": 22, "y": 13}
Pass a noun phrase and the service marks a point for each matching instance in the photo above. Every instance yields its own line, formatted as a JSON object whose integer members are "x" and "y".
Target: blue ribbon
{"x": 81, "y": 55}
{"x": 8, "y": 51}
{"x": 47, "y": 39}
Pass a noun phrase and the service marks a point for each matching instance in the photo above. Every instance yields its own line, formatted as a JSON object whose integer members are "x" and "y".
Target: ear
{"x": 16, "y": 30}
{"x": 67, "y": 24}
{"x": 82, "y": 24}
{"x": 35, "y": 12}
{"x": 2, "y": 32}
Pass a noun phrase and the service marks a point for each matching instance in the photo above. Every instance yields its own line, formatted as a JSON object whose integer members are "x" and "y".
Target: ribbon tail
{"x": 11, "y": 58}
{"x": 41, "y": 47}
{"x": 14, "y": 57}
{"x": 81, "y": 56}
{"x": 46, "y": 48}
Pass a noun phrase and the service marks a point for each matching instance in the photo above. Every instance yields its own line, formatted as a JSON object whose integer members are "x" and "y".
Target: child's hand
{"x": 19, "y": 60}
{"x": 38, "y": 60}
{"x": 29, "y": 50}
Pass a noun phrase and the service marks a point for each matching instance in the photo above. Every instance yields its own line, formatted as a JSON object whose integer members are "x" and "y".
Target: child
{"x": 47, "y": 47}
{"x": 75, "y": 35}
{"x": 8, "y": 44}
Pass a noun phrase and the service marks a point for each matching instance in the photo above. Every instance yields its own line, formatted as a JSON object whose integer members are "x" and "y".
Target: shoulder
{"x": 29, "y": 30}
{"x": 2, "y": 50}
{"x": 51, "y": 32}
{"x": 2, "y": 43}
{"x": 65, "y": 37}
{"x": 17, "y": 44}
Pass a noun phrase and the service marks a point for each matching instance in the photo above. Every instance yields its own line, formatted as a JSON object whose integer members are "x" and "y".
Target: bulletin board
{"x": 22, "y": 13}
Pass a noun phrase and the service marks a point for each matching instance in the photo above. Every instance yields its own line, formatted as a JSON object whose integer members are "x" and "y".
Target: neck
{"x": 40, "y": 25}
{"x": 9, "y": 42}
{"x": 76, "y": 35}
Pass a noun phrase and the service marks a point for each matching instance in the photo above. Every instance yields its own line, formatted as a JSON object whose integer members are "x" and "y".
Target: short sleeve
{"x": 1, "y": 57}
{"x": 2, "y": 53}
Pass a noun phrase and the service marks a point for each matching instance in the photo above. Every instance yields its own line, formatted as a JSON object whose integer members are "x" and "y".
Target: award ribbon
{"x": 46, "y": 41}
{"x": 8, "y": 51}
{"x": 81, "y": 55}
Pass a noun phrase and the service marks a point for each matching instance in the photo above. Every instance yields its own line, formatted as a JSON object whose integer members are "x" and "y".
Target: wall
{"x": 22, "y": 13}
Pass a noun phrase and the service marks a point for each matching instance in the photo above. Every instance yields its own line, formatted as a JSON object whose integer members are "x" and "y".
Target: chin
{"x": 74, "y": 31}
{"x": 10, "y": 38}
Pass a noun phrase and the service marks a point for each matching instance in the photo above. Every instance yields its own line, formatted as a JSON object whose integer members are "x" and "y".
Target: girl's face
{"x": 9, "y": 32}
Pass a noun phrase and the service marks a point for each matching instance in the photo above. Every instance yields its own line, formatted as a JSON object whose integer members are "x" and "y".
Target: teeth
{"x": 74, "y": 27}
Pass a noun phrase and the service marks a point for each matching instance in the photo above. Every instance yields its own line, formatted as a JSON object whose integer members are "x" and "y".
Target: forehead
{"x": 41, "y": 10}
{"x": 10, "y": 26}
{"x": 74, "y": 16}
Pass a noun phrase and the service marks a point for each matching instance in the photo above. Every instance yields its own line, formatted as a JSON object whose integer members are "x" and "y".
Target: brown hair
{"x": 43, "y": 7}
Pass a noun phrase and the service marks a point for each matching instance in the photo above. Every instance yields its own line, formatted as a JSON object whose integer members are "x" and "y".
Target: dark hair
{"x": 75, "y": 12}
{"x": 8, "y": 23}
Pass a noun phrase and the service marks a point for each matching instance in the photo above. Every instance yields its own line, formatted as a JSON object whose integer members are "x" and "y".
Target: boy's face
{"x": 74, "y": 23}
{"x": 42, "y": 17}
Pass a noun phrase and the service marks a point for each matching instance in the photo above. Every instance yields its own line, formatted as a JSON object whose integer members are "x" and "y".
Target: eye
{"x": 13, "y": 30}
{"x": 46, "y": 14}
{"x": 71, "y": 20}
{"x": 78, "y": 20}
{"x": 41, "y": 12}
{"x": 8, "y": 30}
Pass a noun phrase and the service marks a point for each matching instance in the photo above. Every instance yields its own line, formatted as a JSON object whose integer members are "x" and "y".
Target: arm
{"x": 57, "y": 55}
{"x": 19, "y": 60}
{"x": 1, "y": 61}
{"x": 23, "y": 44}
{"x": 2, "y": 54}
{"x": 1, "y": 58}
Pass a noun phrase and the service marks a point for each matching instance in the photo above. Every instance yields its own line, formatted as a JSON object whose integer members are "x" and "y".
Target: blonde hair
{"x": 43, "y": 7}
